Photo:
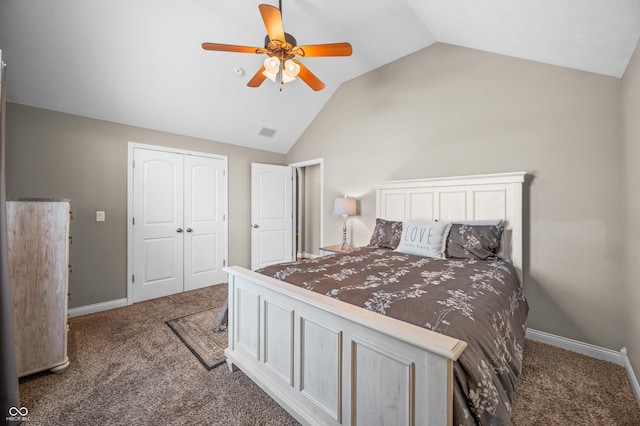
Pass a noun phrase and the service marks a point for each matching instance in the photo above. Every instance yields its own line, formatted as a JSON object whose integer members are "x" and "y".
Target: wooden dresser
{"x": 38, "y": 238}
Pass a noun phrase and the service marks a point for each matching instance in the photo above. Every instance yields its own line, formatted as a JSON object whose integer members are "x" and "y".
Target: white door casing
{"x": 320, "y": 212}
{"x": 204, "y": 221}
{"x": 271, "y": 214}
{"x": 177, "y": 205}
{"x": 158, "y": 231}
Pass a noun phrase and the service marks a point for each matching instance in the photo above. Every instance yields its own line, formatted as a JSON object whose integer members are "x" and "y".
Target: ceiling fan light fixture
{"x": 270, "y": 75}
{"x": 286, "y": 78}
{"x": 272, "y": 64}
{"x": 271, "y": 68}
{"x": 290, "y": 71}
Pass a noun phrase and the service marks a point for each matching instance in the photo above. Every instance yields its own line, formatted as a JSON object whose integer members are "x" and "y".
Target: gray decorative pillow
{"x": 474, "y": 241}
{"x": 386, "y": 234}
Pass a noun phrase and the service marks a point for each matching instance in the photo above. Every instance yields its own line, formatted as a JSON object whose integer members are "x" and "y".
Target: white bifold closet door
{"x": 179, "y": 232}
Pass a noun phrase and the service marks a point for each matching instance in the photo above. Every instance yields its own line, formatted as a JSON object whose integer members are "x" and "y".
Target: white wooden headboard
{"x": 477, "y": 197}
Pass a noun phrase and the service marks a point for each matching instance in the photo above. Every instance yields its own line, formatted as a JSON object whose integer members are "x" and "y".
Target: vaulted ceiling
{"x": 140, "y": 62}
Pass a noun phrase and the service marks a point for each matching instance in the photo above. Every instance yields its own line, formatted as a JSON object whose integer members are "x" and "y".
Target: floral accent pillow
{"x": 474, "y": 241}
{"x": 386, "y": 234}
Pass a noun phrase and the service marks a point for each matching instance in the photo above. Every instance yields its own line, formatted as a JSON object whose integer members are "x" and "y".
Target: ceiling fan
{"x": 281, "y": 48}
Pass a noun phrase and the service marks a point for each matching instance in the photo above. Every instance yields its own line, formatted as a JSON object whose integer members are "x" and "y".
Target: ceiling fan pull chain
{"x": 281, "y": 77}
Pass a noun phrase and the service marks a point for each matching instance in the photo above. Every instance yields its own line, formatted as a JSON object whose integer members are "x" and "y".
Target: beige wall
{"x": 446, "y": 111}
{"x": 631, "y": 139}
{"x": 51, "y": 154}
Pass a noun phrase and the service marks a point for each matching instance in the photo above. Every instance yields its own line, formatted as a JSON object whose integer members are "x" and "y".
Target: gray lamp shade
{"x": 344, "y": 207}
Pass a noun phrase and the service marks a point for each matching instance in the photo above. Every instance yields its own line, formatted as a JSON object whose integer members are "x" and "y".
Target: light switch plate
{"x": 99, "y": 216}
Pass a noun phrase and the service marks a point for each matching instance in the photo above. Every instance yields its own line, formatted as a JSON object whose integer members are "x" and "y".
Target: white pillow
{"x": 424, "y": 238}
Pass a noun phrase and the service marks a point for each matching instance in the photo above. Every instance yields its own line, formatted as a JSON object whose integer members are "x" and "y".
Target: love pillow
{"x": 423, "y": 238}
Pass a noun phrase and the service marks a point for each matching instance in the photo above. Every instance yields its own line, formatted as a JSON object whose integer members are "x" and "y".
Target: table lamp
{"x": 344, "y": 207}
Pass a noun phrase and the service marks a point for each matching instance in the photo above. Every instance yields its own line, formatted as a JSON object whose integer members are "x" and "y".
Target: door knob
{"x": 189, "y": 230}
{"x": 256, "y": 226}
{"x": 179, "y": 230}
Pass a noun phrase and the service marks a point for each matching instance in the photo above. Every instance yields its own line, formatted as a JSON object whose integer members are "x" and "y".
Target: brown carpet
{"x": 559, "y": 387}
{"x": 128, "y": 367}
{"x": 198, "y": 332}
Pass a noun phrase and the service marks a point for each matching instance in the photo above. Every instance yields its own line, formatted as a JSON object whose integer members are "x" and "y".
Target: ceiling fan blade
{"x": 257, "y": 79}
{"x": 272, "y": 21}
{"x": 229, "y": 48}
{"x": 309, "y": 78}
{"x": 331, "y": 49}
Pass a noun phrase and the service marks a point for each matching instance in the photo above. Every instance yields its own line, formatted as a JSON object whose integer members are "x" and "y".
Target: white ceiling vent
{"x": 266, "y": 132}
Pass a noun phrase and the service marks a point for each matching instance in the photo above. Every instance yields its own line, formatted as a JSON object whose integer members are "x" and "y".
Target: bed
{"x": 336, "y": 360}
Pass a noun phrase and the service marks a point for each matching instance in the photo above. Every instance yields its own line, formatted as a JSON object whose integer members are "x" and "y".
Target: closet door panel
{"x": 158, "y": 230}
{"x": 204, "y": 221}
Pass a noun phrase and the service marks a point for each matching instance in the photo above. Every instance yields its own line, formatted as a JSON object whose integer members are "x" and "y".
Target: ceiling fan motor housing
{"x": 279, "y": 48}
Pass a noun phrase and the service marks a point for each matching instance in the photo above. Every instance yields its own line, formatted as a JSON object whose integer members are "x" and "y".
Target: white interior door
{"x": 158, "y": 230}
{"x": 271, "y": 214}
{"x": 204, "y": 221}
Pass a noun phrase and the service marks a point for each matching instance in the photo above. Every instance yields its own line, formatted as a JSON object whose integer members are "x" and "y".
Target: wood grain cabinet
{"x": 38, "y": 238}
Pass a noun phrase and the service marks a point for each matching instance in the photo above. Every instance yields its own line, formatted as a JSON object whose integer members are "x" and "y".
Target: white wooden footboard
{"x": 328, "y": 362}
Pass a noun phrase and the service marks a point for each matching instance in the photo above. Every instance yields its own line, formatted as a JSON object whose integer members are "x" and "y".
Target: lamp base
{"x": 344, "y": 246}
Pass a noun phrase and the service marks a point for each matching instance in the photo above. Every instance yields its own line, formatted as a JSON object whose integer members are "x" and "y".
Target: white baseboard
{"x": 97, "y": 307}
{"x": 632, "y": 376}
{"x": 575, "y": 346}
{"x": 308, "y": 255}
{"x": 592, "y": 351}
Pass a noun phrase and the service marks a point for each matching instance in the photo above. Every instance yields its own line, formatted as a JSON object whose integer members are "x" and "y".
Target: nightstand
{"x": 334, "y": 249}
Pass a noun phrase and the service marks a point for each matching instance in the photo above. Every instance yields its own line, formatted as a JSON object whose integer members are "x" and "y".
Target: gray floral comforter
{"x": 479, "y": 301}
